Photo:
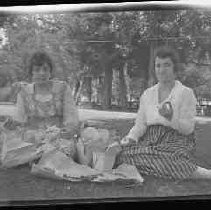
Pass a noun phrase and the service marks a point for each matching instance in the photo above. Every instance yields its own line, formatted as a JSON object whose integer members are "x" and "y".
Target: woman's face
{"x": 164, "y": 69}
{"x": 41, "y": 73}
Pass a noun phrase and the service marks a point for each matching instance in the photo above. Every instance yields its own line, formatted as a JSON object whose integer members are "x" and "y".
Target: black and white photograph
{"x": 105, "y": 102}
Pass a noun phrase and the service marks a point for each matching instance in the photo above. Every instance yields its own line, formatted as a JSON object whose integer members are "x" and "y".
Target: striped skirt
{"x": 161, "y": 152}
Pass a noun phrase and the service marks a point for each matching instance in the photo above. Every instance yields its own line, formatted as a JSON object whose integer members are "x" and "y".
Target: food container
{"x": 103, "y": 161}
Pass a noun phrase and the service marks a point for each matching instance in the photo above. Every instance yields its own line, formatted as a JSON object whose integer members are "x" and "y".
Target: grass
{"x": 18, "y": 184}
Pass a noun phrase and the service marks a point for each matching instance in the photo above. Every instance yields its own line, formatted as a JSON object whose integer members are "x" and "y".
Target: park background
{"x": 106, "y": 57}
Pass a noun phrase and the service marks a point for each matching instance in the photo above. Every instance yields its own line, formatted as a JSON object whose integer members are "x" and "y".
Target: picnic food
{"x": 53, "y": 138}
{"x": 34, "y": 136}
{"x": 167, "y": 105}
{"x": 26, "y": 146}
{"x": 41, "y": 135}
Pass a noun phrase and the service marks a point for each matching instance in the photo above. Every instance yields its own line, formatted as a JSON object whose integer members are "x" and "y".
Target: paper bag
{"x": 102, "y": 161}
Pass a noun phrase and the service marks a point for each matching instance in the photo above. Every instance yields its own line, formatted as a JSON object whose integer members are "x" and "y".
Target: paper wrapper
{"x": 124, "y": 172}
{"x": 63, "y": 167}
{"x": 56, "y": 165}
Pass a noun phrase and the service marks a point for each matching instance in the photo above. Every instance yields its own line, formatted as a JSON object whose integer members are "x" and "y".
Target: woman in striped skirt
{"x": 162, "y": 141}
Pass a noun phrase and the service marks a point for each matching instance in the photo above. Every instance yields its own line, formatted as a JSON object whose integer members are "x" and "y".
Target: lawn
{"x": 18, "y": 185}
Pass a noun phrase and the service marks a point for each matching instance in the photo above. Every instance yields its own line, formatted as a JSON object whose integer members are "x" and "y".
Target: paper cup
{"x": 103, "y": 162}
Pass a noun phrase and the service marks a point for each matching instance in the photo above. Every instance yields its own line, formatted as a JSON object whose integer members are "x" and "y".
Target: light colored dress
{"x": 183, "y": 103}
{"x": 58, "y": 108}
{"x": 38, "y": 112}
{"x": 164, "y": 148}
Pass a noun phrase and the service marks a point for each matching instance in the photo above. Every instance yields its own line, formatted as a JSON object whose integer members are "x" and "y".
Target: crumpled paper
{"x": 55, "y": 157}
{"x": 20, "y": 147}
{"x": 122, "y": 172}
{"x": 16, "y": 152}
{"x": 55, "y": 164}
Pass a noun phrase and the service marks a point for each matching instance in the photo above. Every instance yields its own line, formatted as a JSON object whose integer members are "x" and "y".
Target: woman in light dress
{"x": 162, "y": 141}
{"x": 45, "y": 102}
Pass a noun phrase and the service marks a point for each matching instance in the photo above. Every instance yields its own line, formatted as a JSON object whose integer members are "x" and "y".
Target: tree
{"x": 94, "y": 47}
{"x": 96, "y": 44}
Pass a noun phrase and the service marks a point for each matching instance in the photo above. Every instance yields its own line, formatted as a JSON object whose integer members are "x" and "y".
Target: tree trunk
{"x": 99, "y": 90}
{"x": 151, "y": 74}
{"x": 107, "y": 90}
{"x": 123, "y": 88}
{"x": 78, "y": 90}
{"x": 127, "y": 80}
{"x": 88, "y": 85}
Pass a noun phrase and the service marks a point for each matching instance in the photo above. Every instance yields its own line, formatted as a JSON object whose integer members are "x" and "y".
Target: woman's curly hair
{"x": 39, "y": 58}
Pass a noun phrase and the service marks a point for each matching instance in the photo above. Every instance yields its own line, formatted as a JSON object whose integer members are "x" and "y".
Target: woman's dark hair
{"x": 168, "y": 52}
{"x": 39, "y": 58}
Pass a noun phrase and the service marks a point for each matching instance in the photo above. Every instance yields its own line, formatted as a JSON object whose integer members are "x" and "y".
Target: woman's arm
{"x": 20, "y": 115}
{"x": 70, "y": 111}
{"x": 187, "y": 111}
{"x": 140, "y": 124}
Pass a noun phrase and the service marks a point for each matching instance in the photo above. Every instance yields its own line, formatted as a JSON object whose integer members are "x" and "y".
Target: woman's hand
{"x": 166, "y": 111}
{"x": 114, "y": 148}
{"x": 126, "y": 141}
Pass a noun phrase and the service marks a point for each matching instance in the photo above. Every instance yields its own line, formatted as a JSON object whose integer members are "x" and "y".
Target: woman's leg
{"x": 201, "y": 173}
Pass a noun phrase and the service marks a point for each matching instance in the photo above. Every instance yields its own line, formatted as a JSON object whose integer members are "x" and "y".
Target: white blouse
{"x": 184, "y": 110}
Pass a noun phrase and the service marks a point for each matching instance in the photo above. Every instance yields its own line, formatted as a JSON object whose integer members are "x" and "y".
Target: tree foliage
{"x": 98, "y": 44}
